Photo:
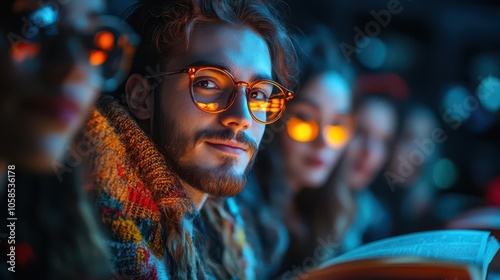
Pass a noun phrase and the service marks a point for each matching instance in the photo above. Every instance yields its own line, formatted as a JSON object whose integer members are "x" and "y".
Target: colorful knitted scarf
{"x": 134, "y": 191}
{"x": 227, "y": 240}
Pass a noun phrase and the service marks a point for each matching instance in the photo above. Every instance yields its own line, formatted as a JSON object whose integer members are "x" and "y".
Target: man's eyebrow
{"x": 255, "y": 77}
{"x": 261, "y": 77}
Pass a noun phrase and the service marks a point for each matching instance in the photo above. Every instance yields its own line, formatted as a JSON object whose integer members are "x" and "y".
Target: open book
{"x": 443, "y": 254}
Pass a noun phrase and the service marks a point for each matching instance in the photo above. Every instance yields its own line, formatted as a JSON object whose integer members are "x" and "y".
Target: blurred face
{"x": 368, "y": 150}
{"x": 213, "y": 152}
{"x": 418, "y": 127}
{"x": 46, "y": 80}
{"x": 318, "y": 129}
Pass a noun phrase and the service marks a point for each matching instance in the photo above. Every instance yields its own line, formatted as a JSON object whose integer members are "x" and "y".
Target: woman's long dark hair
{"x": 327, "y": 211}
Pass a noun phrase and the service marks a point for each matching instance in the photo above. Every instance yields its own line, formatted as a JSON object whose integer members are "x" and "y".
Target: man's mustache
{"x": 226, "y": 135}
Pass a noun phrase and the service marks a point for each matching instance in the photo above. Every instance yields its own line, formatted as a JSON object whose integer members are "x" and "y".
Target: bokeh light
{"x": 373, "y": 56}
{"x": 444, "y": 174}
{"x": 45, "y": 16}
{"x": 493, "y": 192}
{"x": 22, "y": 51}
{"x": 455, "y": 98}
{"x": 489, "y": 93}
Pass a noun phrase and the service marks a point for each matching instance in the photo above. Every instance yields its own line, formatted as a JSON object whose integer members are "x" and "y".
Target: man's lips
{"x": 228, "y": 146}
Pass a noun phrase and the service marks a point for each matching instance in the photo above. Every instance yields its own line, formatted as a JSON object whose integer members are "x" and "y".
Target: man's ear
{"x": 137, "y": 94}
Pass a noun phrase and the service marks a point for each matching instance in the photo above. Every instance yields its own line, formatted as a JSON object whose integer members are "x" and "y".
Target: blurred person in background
{"x": 298, "y": 169}
{"x": 49, "y": 78}
{"x": 408, "y": 187}
{"x": 366, "y": 155}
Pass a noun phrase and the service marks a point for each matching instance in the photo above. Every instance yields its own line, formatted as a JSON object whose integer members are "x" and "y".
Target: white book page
{"x": 465, "y": 246}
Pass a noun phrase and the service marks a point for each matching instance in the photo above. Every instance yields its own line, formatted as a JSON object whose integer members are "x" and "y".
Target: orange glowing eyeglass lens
{"x": 208, "y": 106}
{"x": 104, "y": 40}
{"x": 97, "y": 57}
{"x": 302, "y": 131}
{"x": 335, "y": 135}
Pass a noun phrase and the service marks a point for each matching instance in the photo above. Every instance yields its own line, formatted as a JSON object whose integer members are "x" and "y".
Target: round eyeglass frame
{"x": 192, "y": 70}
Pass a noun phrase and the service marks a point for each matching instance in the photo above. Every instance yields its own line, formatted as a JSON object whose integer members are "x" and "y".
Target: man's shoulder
{"x": 130, "y": 178}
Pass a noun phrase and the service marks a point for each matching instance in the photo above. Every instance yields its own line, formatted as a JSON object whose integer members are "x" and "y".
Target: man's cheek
{"x": 260, "y": 133}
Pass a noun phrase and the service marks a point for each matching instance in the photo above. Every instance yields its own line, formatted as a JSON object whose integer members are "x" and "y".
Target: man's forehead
{"x": 235, "y": 48}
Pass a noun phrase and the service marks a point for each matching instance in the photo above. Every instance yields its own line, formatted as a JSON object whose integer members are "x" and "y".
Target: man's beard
{"x": 219, "y": 181}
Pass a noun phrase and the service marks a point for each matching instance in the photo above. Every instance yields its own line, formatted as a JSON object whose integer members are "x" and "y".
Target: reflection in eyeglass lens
{"x": 208, "y": 106}
{"x": 307, "y": 131}
{"x": 104, "y": 40}
{"x": 213, "y": 90}
{"x": 335, "y": 135}
{"x": 112, "y": 48}
{"x": 301, "y": 130}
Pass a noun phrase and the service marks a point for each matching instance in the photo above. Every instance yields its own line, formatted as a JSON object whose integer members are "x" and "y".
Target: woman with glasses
{"x": 298, "y": 170}
{"x": 55, "y": 58}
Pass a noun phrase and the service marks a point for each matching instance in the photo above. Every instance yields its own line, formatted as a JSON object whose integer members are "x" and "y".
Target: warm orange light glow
{"x": 208, "y": 106}
{"x": 97, "y": 57}
{"x": 22, "y": 51}
{"x": 265, "y": 106}
{"x": 21, "y": 5}
{"x": 105, "y": 40}
{"x": 256, "y": 105}
{"x": 335, "y": 135}
{"x": 302, "y": 131}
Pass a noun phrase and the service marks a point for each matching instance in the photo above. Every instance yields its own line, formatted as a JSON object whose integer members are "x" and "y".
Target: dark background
{"x": 443, "y": 50}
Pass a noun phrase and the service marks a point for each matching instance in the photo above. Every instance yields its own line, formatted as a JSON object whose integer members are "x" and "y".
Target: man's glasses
{"x": 213, "y": 90}
{"x": 106, "y": 42}
{"x": 302, "y": 130}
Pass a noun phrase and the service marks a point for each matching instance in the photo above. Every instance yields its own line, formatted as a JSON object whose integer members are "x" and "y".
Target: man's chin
{"x": 220, "y": 182}
{"x": 223, "y": 192}
{"x": 223, "y": 183}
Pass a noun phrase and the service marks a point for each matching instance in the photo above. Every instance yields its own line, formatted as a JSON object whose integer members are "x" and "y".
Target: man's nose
{"x": 238, "y": 116}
